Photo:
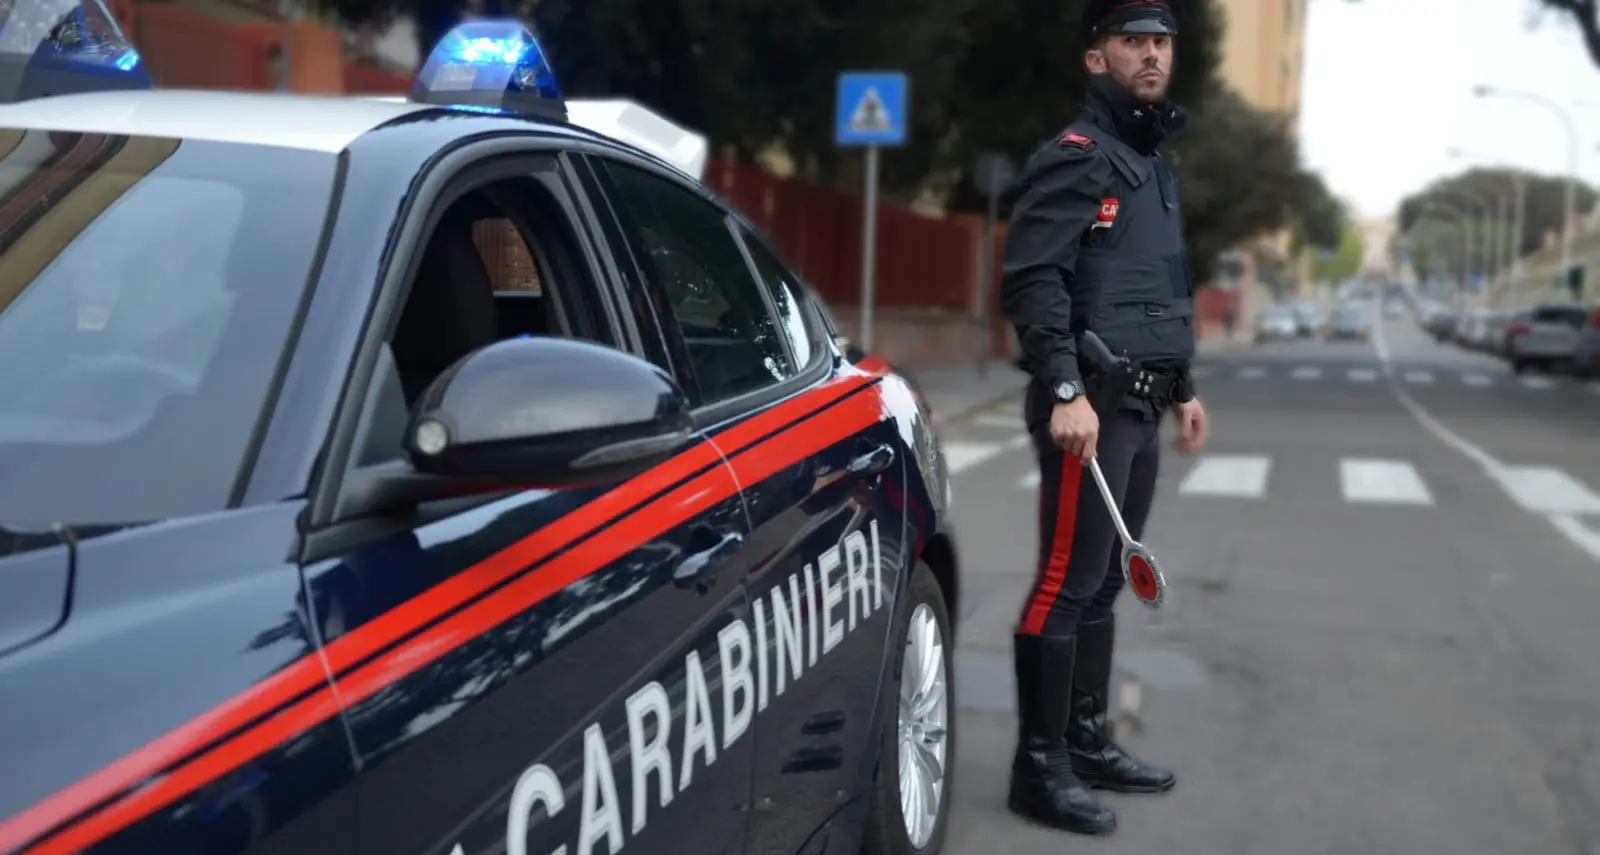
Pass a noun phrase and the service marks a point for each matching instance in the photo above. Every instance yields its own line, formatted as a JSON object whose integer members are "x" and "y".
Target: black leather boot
{"x": 1043, "y": 787}
{"x": 1098, "y": 761}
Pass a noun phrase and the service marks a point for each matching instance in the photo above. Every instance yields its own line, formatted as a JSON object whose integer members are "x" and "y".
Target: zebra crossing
{"x": 1470, "y": 378}
{"x": 1361, "y": 480}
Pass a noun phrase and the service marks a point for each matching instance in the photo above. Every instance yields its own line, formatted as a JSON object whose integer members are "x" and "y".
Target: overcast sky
{"x": 1388, "y": 91}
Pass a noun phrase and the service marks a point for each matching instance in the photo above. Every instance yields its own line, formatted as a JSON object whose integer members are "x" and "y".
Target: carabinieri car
{"x": 438, "y": 476}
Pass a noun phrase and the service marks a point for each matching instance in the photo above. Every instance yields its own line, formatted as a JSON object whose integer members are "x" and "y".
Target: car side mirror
{"x": 547, "y": 412}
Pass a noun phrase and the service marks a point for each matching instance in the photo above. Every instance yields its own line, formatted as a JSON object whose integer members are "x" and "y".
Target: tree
{"x": 1240, "y": 176}
{"x": 1344, "y": 261}
{"x": 1544, "y": 209}
{"x": 1320, "y": 220}
{"x": 1586, "y": 15}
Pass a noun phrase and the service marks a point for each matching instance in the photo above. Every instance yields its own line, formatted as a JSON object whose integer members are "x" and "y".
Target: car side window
{"x": 783, "y": 287}
{"x": 483, "y": 275}
{"x": 690, "y": 251}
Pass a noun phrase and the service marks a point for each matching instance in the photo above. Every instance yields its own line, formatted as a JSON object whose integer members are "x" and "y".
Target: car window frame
{"x": 467, "y": 169}
{"x": 705, "y": 414}
{"x": 811, "y": 317}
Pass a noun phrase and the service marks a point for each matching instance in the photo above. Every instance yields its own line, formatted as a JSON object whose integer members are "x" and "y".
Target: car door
{"x": 543, "y": 670}
{"x": 822, "y": 473}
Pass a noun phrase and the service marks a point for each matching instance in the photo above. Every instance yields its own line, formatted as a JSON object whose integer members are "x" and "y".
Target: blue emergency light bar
{"x": 59, "y": 47}
{"x": 490, "y": 64}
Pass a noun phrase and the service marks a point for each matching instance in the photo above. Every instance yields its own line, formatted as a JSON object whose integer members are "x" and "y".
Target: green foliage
{"x": 1544, "y": 208}
{"x": 986, "y": 76}
{"x": 1344, "y": 261}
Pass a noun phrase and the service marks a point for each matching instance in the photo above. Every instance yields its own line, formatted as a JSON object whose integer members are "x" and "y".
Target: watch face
{"x": 1066, "y": 391}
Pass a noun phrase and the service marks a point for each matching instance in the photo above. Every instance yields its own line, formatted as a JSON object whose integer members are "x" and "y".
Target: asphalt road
{"x": 1382, "y": 635}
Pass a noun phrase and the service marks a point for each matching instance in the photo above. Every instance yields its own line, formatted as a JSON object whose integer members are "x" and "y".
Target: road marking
{"x": 1476, "y": 380}
{"x": 961, "y": 456}
{"x": 1252, "y": 373}
{"x": 1029, "y": 481}
{"x": 1539, "y": 383}
{"x": 1242, "y": 476}
{"x": 1547, "y": 490}
{"x": 1382, "y": 482}
{"x": 1568, "y": 525}
{"x": 1419, "y": 377}
{"x": 995, "y": 420}
{"x": 1362, "y": 375}
{"x": 1306, "y": 372}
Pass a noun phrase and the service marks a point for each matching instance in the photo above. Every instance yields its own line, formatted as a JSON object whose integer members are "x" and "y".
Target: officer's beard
{"x": 1141, "y": 124}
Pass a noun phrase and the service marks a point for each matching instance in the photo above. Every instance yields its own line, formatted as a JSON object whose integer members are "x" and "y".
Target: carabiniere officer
{"x": 1095, "y": 243}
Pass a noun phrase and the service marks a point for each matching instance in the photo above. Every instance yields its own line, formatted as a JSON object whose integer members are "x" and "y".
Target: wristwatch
{"x": 1067, "y": 391}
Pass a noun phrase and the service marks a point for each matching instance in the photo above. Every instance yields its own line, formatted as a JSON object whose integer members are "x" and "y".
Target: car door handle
{"x": 873, "y": 462}
{"x": 699, "y": 569}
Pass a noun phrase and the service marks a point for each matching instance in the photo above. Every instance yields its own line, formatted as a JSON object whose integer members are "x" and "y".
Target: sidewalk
{"x": 955, "y": 392}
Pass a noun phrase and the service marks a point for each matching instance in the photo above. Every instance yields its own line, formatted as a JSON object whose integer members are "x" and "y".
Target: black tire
{"x": 1519, "y": 366}
{"x": 886, "y": 832}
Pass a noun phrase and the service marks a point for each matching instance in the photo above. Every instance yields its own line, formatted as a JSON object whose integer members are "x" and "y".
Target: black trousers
{"x": 1079, "y": 570}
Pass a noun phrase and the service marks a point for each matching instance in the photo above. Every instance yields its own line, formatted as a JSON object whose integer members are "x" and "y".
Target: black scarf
{"x": 1140, "y": 124}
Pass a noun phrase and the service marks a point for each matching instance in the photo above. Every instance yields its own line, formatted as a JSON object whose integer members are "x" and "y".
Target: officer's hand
{"x": 1075, "y": 427}
{"x": 1193, "y": 425}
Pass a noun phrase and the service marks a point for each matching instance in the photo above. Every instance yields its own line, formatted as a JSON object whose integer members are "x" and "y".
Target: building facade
{"x": 1263, "y": 52}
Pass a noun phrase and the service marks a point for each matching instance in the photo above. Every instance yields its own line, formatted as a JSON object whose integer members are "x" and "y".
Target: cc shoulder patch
{"x": 1076, "y": 140}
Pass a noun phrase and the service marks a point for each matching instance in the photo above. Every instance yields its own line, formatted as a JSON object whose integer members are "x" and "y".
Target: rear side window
{"x": 783, "y": 287}
{"x": 689, "y": 250}
{"x": 1567, "y": 316}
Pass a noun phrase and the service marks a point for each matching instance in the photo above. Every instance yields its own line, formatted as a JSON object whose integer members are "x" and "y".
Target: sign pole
{"x": 869, "y": 246}
{"x": 986, "y": 287}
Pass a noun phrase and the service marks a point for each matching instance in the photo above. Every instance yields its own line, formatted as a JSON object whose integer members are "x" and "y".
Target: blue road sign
{"x": 871, "y": 108}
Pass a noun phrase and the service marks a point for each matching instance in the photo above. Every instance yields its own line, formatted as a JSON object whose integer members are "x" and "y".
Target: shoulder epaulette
{"x": 1075, "y": 140}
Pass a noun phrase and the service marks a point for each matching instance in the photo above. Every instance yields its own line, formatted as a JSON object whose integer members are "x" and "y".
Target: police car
{"x": 323, "y": 534}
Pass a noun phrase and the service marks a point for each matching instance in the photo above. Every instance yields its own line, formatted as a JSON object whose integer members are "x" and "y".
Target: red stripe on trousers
{"x": 1054, "y": 574}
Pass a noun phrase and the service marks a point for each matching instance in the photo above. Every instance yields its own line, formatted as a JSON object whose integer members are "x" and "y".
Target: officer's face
{"x": 1142, "y": 64}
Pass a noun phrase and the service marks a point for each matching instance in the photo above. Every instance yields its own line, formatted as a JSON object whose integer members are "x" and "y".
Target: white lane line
{"x": 1361, "y": 375}
{"x": 995, "y": 420}
{"x": 1381, "y": 482}
{"x": 1547, "y": 490}
{"x": 1306, "y": 372}
{"x": 1538, "y": 383}
{"x": 1574, "y": 530}
{"x": 1479, "y": 380}
{"x": 1252, "y": 373}
{"x": 1419, "y": 377}
{"x": 1240, "y": 476}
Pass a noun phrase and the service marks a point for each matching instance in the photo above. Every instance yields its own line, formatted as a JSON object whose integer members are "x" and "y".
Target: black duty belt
{"x": 1153, "y": 386}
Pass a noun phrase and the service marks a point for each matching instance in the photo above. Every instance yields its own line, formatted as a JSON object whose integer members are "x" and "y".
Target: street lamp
{"x": 1483, "y": 91}
{"x": 1434, "y": 207}
{"x": 1508, "y": 234}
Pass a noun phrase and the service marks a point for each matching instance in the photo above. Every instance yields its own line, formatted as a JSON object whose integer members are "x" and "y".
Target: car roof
{"x": 317, "y": 123}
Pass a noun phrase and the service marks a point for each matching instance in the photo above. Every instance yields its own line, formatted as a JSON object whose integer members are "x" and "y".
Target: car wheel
{"x": 911, "y": 792}
{"x": 1519, "y": 366}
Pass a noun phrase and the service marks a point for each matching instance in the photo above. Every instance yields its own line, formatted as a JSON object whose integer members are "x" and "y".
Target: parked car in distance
{"x": 1472, "y": 328}
{"x": 1586, "y": 353}
{"x": 1349, "y": 323}
{"x": 1439, "y": 323}
{"x": 1307, "y": 317}
{"x": 1515, "y": 328}
{"x": 1276, "y": 324}
{"x": 1551, "y": 341}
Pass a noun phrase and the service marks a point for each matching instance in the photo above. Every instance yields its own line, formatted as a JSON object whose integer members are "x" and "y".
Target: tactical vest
{"x": 1132, "y": 285}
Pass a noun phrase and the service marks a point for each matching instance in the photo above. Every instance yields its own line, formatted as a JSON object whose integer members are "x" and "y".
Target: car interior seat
{"x": 450, "y": 311}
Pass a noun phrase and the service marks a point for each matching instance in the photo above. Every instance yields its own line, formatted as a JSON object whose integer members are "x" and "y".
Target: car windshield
{"x": 147, "y": 290}
{"x": 1349, "y": 316}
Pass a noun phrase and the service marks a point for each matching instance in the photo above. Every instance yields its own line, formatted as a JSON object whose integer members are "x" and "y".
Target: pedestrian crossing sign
{"x": 871, "y": 108}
